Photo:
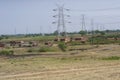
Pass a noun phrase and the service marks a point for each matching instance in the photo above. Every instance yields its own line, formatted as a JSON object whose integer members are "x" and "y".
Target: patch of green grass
{"x": 46, "y": 49}
{"x": 62, "y": 46}
{"x": 111, "y": 58}
{"x": 30, "y": 50}
{"x": 7, "y": 52}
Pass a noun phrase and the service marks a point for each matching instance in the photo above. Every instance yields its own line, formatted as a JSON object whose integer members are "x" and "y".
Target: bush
{"x": 44, "y": 49}
{"x": 7, "y": 52}
{"x": 62, "y": 46}
{"x": 112, "y": 58}
{"x": 1, "y": 38}
{"x": 30, "y": 50}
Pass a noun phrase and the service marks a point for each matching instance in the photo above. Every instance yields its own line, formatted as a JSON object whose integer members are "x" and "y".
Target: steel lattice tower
{"x": 61, "y": 28}
{"x": 83, "y": 23}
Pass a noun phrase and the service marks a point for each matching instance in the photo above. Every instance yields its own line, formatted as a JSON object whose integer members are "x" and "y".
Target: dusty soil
{"x": 56, "y": 68}
{"x": 108, "y": 71}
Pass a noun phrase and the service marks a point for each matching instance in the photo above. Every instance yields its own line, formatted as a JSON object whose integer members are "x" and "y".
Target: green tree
{"x": 83, "y": 33}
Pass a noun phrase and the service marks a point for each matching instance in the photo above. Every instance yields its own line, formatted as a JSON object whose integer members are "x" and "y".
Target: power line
{"x": 110, "y": 23}
{"x": 92, "y": 10}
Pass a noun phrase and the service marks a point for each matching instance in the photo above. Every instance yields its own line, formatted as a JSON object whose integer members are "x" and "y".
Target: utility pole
{"x": 92, "y": 26}
{"x": 27, "y": 30}
{"x": 83, "y": 23}
{"x": 15, "y": 31}
{"x": 83, "y": 26}
{"x": 40, "y": 30}
{"x": 92, "y": 30}
{"x": 61, "y": 23}
{"x": 97, "y": 27}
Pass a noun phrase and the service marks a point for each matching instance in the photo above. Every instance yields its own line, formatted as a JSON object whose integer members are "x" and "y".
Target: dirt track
{"x": 80, "y": 67}
{"x": 107, "y": 72}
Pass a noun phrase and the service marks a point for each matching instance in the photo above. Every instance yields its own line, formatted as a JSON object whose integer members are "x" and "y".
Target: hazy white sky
{"x": 35, "y": 16}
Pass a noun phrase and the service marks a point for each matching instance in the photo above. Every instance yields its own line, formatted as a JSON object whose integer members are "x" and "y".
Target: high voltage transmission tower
{"x": 83, "y": 23}
{"x": 61, "y": 22}
{"x": 83, "y": 30}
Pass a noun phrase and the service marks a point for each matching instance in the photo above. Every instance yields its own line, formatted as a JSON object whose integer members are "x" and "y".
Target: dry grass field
{"x": 93, "y": 64}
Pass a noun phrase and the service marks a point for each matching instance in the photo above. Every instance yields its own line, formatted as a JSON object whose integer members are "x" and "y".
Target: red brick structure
{"x": 2, "y": 45}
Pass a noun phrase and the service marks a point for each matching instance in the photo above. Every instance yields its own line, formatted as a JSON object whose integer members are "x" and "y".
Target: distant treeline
{"x": 105, "y": 32}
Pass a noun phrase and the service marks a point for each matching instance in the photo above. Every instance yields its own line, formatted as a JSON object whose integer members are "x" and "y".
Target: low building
{"x": 79, "y": 39}
{"x": 2, "y": 45}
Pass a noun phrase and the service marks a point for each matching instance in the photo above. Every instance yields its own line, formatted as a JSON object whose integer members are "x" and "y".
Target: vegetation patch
{"x": 112, "y": 58}
{"x": 30, "y": 50}
{"x": 74, "y": 43}
{"x": 62, "y": 46}
{"x": 6, "y": 52}
{"x": 46, "y": 49}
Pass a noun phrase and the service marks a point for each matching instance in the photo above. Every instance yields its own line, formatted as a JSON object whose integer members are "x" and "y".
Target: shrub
{"x": 29, "y": 50}
{"x": 7, "y": 52}
{"x": 44, "y": 49}
{"x": 112, "y": 58}
{"x": 62, "y": 46}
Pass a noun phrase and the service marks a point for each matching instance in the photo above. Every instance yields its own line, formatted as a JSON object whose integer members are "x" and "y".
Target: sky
{"x": 36, "y": 16}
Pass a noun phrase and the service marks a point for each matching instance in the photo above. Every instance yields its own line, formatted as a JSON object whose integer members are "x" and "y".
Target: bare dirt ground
{"x": 38, "y": 68}
{"x": 108, "y": 71}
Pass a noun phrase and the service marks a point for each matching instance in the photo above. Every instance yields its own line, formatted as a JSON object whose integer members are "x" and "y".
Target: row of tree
{"x": 105, "y": 32}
